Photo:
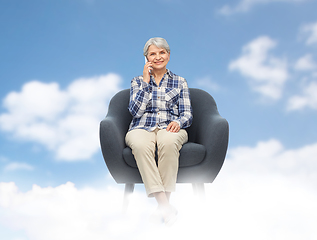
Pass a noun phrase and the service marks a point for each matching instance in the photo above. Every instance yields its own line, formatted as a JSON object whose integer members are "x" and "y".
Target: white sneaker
{"x": 172, "y": 217}
{"x": 157, "y": 217}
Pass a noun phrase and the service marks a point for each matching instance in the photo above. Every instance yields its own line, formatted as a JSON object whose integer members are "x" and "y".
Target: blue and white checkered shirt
{"x": 155, "y": 106}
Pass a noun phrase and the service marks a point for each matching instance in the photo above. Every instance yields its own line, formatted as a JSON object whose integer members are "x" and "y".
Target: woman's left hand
{"x": 173, "y": 127}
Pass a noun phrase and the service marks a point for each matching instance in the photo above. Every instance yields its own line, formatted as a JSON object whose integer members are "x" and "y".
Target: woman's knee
{"x": 168, "y": 145}
{"x": 138, "y": 146}
{"x": 171, "y": 140}
{"x": 139, "y": 139}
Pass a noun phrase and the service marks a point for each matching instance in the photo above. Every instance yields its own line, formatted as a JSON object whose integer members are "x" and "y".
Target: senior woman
{"x": 161, "y": 110}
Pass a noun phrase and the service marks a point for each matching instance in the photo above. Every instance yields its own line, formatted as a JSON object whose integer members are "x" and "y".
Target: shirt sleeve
{"x": 185, "y": 110}
{"x": 140, "y": 95}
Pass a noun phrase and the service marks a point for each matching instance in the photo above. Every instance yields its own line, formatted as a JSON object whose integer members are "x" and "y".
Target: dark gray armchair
{"x": 200, "y": 159}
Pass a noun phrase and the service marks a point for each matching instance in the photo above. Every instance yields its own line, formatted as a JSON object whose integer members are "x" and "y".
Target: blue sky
{"x": 62, "y": 61}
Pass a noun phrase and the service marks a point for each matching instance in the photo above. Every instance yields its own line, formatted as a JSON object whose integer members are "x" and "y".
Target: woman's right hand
{"x": 146, "y": 72}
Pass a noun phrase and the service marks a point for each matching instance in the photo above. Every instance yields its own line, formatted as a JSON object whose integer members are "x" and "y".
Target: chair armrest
{"x": 211, "y": 128}
{"x": 112, "y": 144}
{"x": 213, "y": 133}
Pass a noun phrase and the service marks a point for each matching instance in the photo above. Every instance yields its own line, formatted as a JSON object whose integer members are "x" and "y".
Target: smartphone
{"x": 146, "y": 62}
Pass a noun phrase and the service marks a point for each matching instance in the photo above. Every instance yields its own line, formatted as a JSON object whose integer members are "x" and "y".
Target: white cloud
{"x": 66, "y": 213}
{"x": 64, "y": 121}
{"x": 18, "y": 166}
{"x": 307, "y": 66}
{"x": 310, "y": 33}
{"x": 266, "y": 73}
{"x": 305, "y": 63}
{"x": 246, "y": 5}
{"x": 262, "y": 192}
{"x": 270, "y": 158}
{"x": 307, "y": 99}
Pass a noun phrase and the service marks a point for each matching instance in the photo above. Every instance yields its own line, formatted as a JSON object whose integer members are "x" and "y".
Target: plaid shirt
{"x": 155, "y": 106}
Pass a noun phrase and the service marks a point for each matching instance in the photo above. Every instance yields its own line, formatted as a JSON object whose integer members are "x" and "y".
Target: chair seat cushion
{"x": 190, "y": 154}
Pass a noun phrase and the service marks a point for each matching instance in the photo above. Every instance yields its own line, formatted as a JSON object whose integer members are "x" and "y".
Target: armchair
{"x": 201, "y": 158}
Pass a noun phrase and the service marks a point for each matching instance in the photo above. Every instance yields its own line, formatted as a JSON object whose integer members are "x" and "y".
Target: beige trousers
{"x": 161, "y": 177}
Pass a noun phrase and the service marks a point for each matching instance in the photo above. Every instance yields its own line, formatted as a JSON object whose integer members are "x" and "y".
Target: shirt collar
{"x": 169, "y": 73}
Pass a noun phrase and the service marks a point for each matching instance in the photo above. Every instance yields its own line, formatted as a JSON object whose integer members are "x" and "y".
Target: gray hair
{"x": 157, "y": 41}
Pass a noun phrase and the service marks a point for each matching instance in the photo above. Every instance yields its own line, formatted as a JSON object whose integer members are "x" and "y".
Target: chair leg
{"x": 128, "y": 190}
{"x": 199, "y": 190}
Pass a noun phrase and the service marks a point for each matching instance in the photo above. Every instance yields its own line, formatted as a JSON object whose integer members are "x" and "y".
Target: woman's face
{"x": 159, "y": 57}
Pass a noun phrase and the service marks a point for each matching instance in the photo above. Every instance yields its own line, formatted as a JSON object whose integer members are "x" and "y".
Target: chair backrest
{"x": 202, "y": 103}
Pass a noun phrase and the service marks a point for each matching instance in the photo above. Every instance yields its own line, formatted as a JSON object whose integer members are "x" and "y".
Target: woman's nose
{"x": 157, "y": 57}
